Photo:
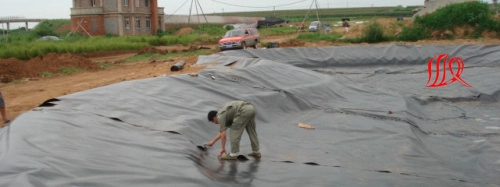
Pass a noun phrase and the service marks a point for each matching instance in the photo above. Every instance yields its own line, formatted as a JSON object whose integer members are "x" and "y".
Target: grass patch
{"x": 144, "y": 57}
{"x": 69, "y": 70}
{"x": 271, "y": 31}
{"x": 183, "y": 40}
{"x": 210, "y": 29}
{"x": 47, "y": 74}
{"x": 104, "y": 64}
{"x": 311, "y": 37}
{"x": 62, "y": 70}
{"x": 25, "y": 50}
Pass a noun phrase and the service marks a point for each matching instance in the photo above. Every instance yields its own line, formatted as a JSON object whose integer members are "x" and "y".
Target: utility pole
{"x": 6, "y": 33}
{"x": 3, "y": 33}
{"x": 197, "y": 4}
{"x": 190, "y": 9}
{"x": 314, "y": 2}
{"x": 317, "y": 11}
{"x": 495, "y": 4}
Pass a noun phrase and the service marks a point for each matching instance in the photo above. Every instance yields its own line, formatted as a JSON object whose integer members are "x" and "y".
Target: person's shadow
{"x": 226, "y": 171}
{"x": 242, "y": 177}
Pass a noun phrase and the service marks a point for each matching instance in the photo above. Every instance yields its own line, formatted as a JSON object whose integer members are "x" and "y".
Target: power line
{"x": 288, "y": 4}
{"x": 177, "y": 9}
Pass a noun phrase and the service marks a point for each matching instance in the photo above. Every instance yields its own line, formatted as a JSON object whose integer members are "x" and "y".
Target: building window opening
{"x": 159, "y": 23}
{"x": 146, "y": 3}
{"x": 148, "y": 22}
{"x": 127, "y": 22}
{"x": 93, "y": 3}
{"x": 125, "y": 2}
{"x": 138, "y": 22}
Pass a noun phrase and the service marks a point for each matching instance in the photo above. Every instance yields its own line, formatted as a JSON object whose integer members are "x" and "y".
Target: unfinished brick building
{"x": 116, "y": 17}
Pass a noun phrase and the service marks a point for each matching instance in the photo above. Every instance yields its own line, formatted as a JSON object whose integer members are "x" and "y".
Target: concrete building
{"x": 117, "y": 17}
{"x": 432, "y": 5}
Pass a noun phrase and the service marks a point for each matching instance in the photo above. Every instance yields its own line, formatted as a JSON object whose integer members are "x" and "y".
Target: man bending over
{"x": 238, "y": 116}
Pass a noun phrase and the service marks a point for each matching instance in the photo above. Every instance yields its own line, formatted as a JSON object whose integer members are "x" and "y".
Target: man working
{"x": 2, "y": 110}
{"x": 346, "y": 25}
{"x": 237, "y": 115}
{"x": 327, "y": 29}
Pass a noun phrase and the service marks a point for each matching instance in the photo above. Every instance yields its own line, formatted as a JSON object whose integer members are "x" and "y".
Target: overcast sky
{"x": 60, "y": 9}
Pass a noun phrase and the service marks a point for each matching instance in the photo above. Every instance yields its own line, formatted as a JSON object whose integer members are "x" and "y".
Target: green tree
{"x": 44, "y": 29}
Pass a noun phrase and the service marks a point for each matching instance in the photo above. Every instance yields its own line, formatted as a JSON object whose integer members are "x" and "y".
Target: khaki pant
{"x": 244, "y": 119}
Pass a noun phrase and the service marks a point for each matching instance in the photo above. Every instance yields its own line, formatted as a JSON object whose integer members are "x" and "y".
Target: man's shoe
{"x": 255, "y": 154}
{"x": 228, "y": 157}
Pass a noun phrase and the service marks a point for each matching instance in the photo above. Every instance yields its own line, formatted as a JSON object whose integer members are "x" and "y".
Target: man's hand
{"x": 222, "y": 151}
{"x": 216, "y": 138}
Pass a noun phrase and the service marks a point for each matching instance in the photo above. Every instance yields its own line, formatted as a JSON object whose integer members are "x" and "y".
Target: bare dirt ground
{"x": 29, "y": 89}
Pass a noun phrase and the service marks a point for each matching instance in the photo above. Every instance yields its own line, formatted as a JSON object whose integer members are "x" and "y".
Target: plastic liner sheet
{"x": 376, "y": 124}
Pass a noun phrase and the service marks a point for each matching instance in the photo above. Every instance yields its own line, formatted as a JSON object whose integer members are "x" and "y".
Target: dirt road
{"x": 29, "y": 93}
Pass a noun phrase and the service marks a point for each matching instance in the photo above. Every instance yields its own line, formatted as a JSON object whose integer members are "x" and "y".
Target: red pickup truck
{"x": 240, "y": 39}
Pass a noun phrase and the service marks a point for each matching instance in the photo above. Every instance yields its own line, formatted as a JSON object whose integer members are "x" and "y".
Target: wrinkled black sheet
{"x": 146, "y": 132}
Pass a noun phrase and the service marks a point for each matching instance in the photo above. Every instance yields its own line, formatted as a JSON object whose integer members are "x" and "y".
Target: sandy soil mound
{"x": 184, "y": 31}
{"x": 292, "y": 43}
{"x": 13, "y": 69}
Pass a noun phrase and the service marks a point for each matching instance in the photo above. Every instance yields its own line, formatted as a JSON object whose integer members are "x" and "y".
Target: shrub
{"x": 48, "y": 27}
{"x": 413, "y": 34}
{"x": 457, "y": 14}
{"x": 229, "y": 27}
{"x": 475, "y": 15}
{"x": 374, "y": 33}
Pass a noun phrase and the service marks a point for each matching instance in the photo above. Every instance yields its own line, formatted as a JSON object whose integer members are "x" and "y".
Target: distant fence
{"x": 18, "y": 19}
{"x": 331, "y": 13}
{"x": 176, "y": 21}
{"x": 184, "y": 19}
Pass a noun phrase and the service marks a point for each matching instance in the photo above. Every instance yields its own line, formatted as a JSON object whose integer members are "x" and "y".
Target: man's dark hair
{"x": 211, "y": 115}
